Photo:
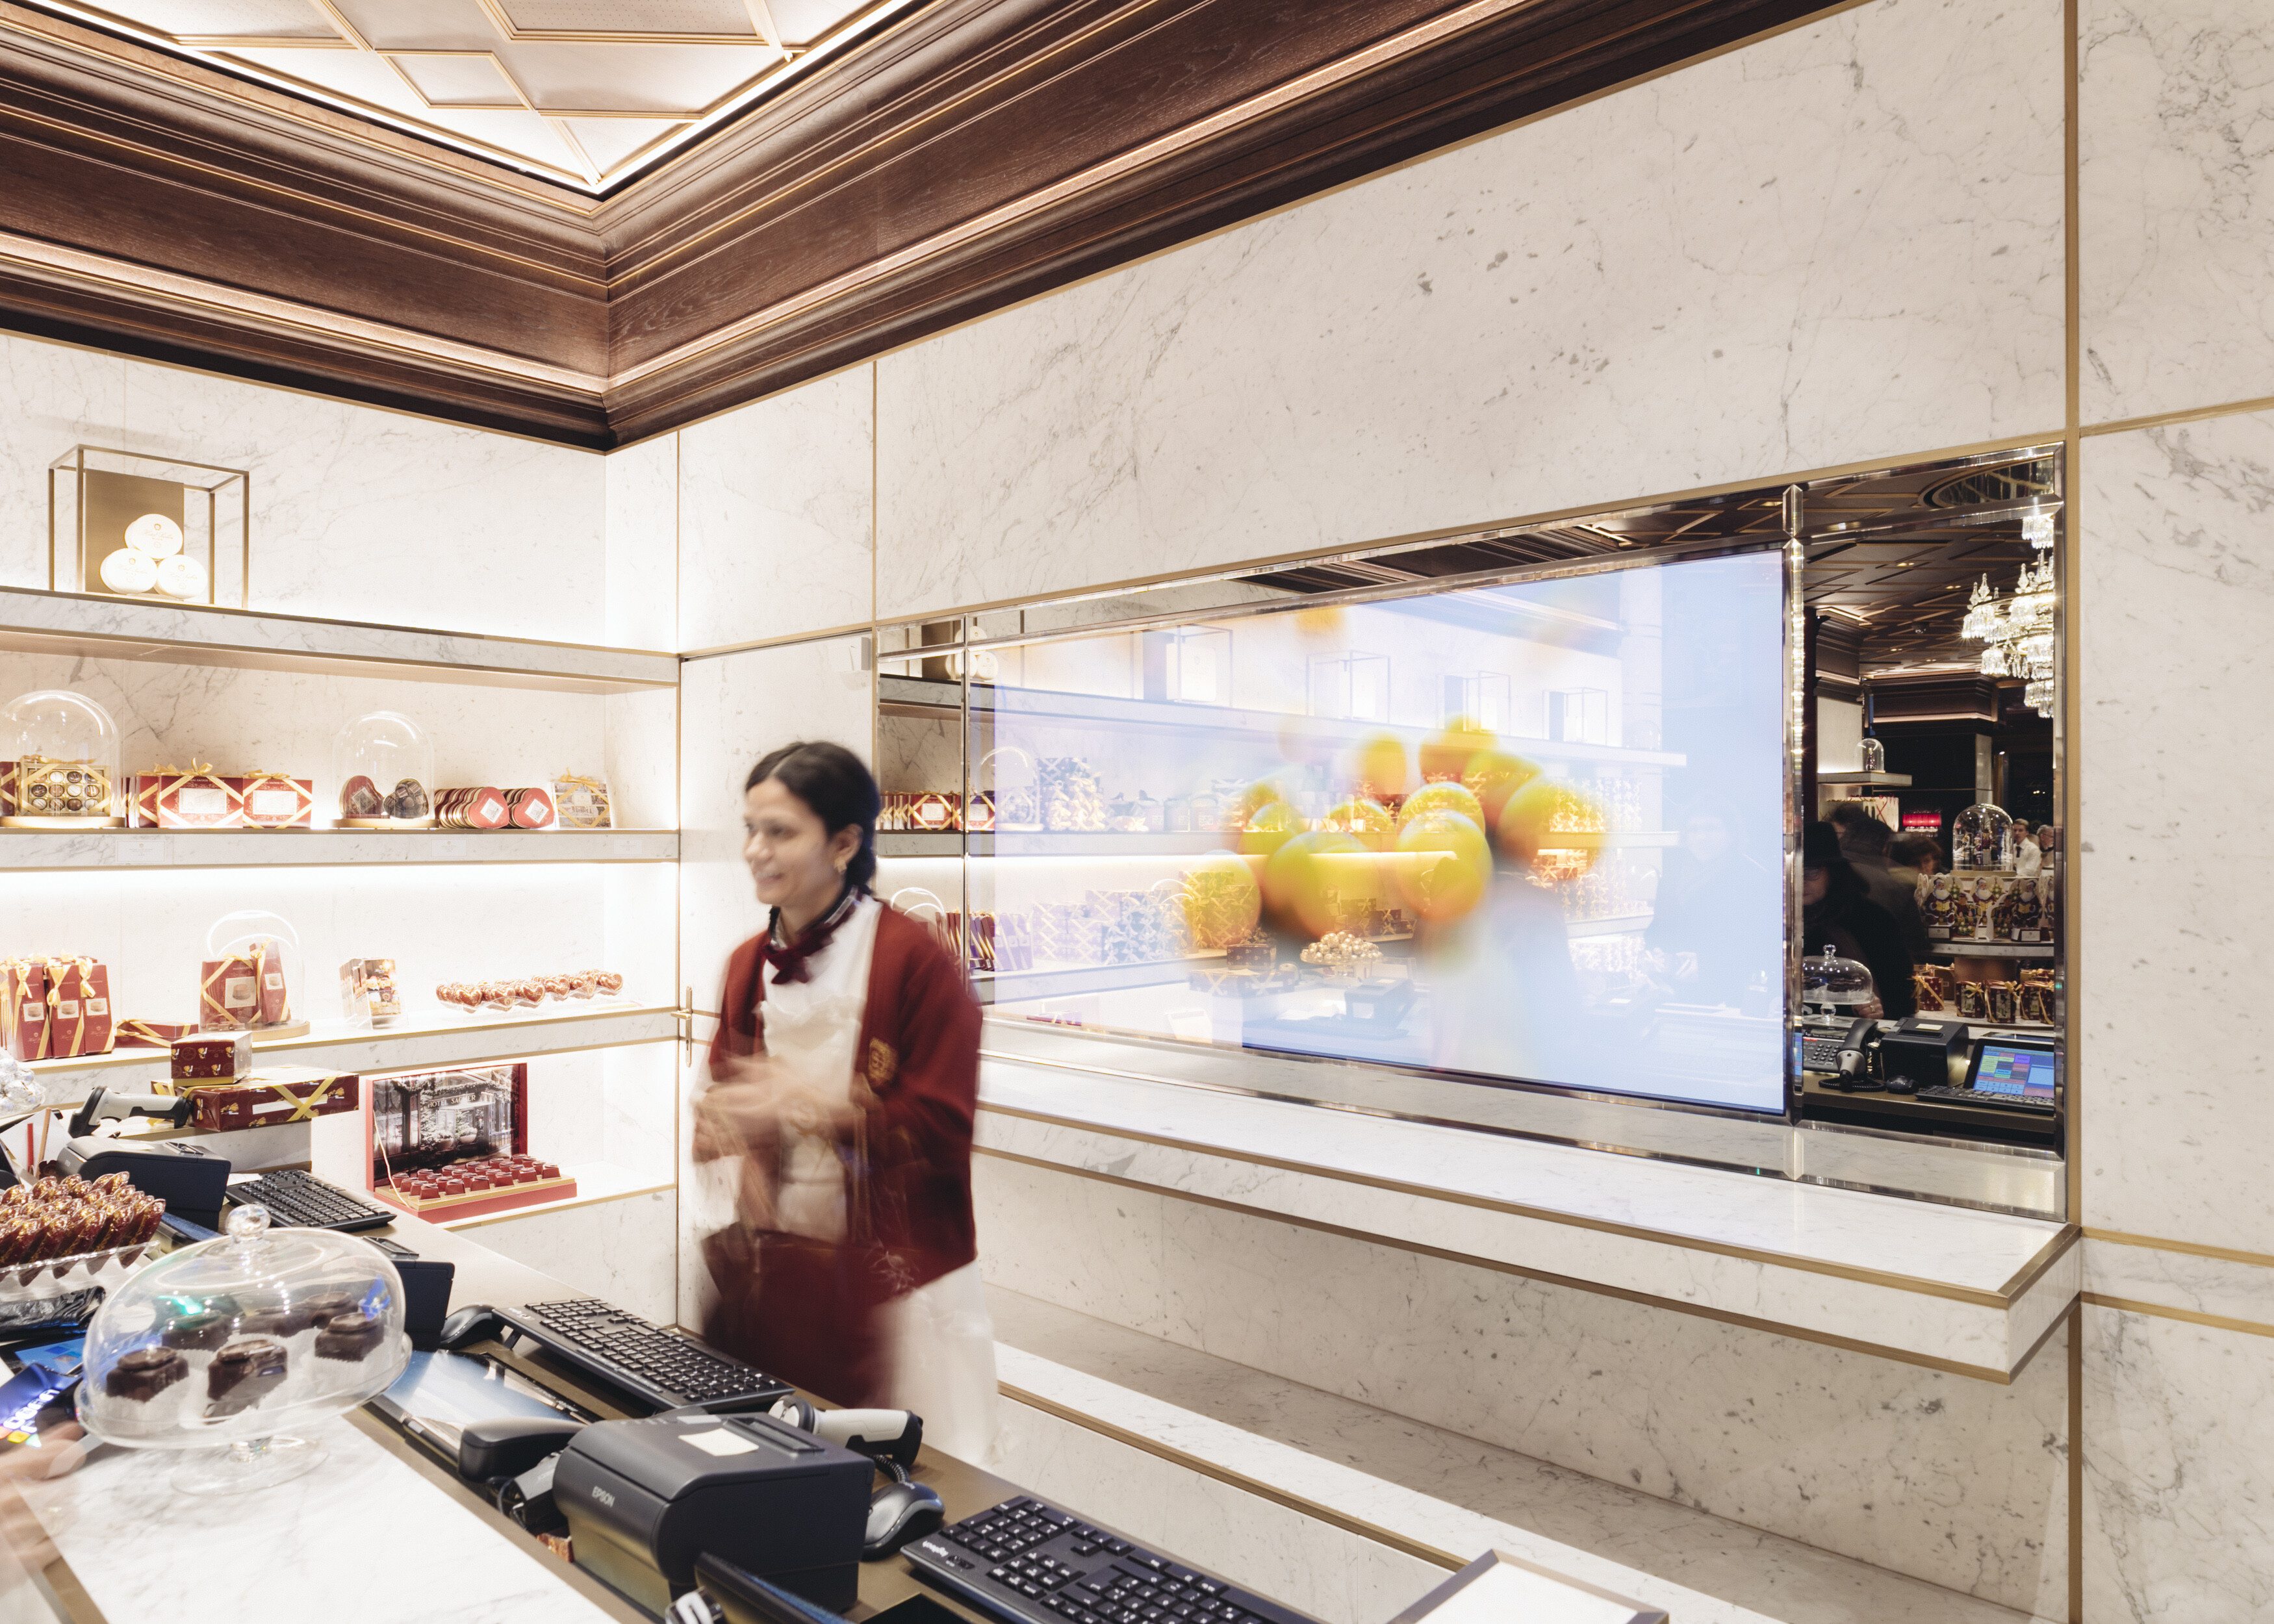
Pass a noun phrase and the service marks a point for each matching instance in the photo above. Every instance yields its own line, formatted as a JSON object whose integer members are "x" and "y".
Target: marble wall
{"x": 617, "y": 1250}
{"x": 1841, "y": 242}
{"x": 1959, "y": 1482}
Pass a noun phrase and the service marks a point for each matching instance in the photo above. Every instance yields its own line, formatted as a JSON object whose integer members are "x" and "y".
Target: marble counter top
{"x": 1970, "y": 1291}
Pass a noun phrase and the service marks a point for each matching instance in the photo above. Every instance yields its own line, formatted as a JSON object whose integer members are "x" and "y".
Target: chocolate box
{"x": 24, "y": 1016}
{"x": 368, "y": 991}
{"x": 275, "y": 799}
{"x": 229, "y": 993}
{"x": 150, "y": 1033}
{"x": 211, "y": 1056}
{"x": 268, "y": 1097}
{"x": 476, "y": 806}
{"x": 274, "y": 1003}
{"x": 533, "y": 809}
{"x": 184, "y": 798}
{"x": 79, "y": 1008}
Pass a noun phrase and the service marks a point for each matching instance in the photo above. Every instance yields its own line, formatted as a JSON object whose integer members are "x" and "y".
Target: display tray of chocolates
{"x": 530, "y": 993}
{"x": 466, "y": 1189}
{"x": 57, "y": 1234}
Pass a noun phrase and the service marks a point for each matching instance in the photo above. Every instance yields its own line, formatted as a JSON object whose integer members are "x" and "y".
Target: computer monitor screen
{"x": 2015, "y": 1069}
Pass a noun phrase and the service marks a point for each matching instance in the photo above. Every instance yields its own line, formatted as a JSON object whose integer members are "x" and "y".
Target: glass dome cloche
{"x": 1834, "y": 984}
{"x": 226, "y": 1347}
{"x": 252, "y": 977}
{"x": 384, "y": 766}
{"x": 58, "y": 763}
{"x": 1982, "y": 837}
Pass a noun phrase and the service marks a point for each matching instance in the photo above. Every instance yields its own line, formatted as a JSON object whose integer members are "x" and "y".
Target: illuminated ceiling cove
{"x": 584, "y": 93}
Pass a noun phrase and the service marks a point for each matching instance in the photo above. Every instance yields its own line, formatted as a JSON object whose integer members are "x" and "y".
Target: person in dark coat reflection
{"x": 1837, "y": 912}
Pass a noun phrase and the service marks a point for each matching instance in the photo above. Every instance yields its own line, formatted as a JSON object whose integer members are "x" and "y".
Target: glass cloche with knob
{"x": 1982, "y": 837}
{"x": 227, "y": 1347}
{"x": 1835, "y": 985}
{"x": 383, "y": 765}
{"x": 1872, "y": 755}
{"x": 58, "y": 763}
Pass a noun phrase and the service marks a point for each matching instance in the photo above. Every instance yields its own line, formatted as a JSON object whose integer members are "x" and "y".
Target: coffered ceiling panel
{"x": 581, "y": 92}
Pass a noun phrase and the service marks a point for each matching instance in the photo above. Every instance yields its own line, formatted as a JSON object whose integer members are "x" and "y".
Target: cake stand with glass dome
{"x": 266, "y": 945}
{"x": 58, "y": 763}
{"x": 225, "y": 1351}
{"x": 1834, "y": 985}
{"x": 384, "y": 768}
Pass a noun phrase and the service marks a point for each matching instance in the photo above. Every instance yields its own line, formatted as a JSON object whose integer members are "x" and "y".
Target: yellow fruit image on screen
{"x": 1539, "y": 812}
{"x": 1269, "y": 827}
{"x": 1369, "y": 820}
{"x": 1442, "y": 865}
{"x": 1493, "y": 777}
{"x": 1379, "y": 768}
{"x": 1441, "y": 797}
{"x": 1221, "y": 900}
{"x": 1307, "y": 878}
{"x": 1448, "y": 753}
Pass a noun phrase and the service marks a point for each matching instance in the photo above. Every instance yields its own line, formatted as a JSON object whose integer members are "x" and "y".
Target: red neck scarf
{"x": 789, "y": 961}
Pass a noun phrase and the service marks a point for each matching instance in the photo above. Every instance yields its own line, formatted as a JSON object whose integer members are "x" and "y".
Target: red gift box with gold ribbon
{"x": 185, "y": 798}
{"x": 268, "y": 1097}
{"x": 275, "y": 799}
{"x": 24, "y": 1016}
{"x": 79, "y": 1008}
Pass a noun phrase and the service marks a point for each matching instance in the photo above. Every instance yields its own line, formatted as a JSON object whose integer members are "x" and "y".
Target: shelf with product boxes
{"x": 24, "y": 850}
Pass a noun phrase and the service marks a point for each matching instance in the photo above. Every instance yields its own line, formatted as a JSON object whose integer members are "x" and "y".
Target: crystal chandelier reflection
{"x": 2017, "y": 633}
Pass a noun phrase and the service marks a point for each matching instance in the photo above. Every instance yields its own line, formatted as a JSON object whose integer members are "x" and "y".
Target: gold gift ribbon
{"x": 207, "y": 1000}
{"x": 59, "y": 973}
{"x": 144, "y": 1030}
{"x": 18, "y": 980}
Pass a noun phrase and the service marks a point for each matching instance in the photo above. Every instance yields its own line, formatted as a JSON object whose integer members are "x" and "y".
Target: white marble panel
{"x": 2226, "y": 1288}
{"x": 621, "y": 1250}
{"x": 2175, "y": 206}
{"x": 1081, "y": 1244}
{"x": 639, "y": 1110}
{"x": 642, "y": 764}
{"x": 285, "y": 722}
{"x": 643, "y": 545}
{"x": 1958, "y": 1482}
{"x": 52, "y": 397}
{"x": 775, "y": 515}
{"x": 367, "y": 514}
{"x": 144, "y": 1551}
{"x": 1840, "y": 242}
{"x": 736, "y": 708}
{"x": 2178, "y": 1485}
{"x": 2176, "y": 583}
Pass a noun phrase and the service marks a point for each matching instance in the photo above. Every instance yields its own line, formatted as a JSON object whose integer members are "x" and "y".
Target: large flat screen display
{"x": 1523, "y": 832}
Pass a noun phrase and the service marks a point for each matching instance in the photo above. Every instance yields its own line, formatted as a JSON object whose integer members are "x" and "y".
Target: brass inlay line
{"x": 1875, "y": 1277}
{"x": 483, "y": 1220}
{"x": 2052, "y": 1253}
{"x": 2117, "y": 1237}
{"x": 2195, "y": 414}
{"x": 2159, "y": 1311}
{"x": 1206, "y": 1468}
{"x": 1927, "y": 1361}
{"x": 786, "y": 640}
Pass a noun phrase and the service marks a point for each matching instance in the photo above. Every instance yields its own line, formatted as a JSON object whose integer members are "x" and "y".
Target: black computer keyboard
{"x": 1027, "y": 1560}
{"x": 668, "y": 1370}
{"x": 1995, "y": 1101}
{"x": 300, "y": 1200}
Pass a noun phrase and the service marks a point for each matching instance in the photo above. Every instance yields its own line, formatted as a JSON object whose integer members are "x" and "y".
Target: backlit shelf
{"x": 36, "y": 849}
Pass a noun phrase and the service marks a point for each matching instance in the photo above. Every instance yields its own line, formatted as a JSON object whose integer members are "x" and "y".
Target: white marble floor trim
{"x": 1334, "y": 1541}
{"x": 2231, "y": 1293}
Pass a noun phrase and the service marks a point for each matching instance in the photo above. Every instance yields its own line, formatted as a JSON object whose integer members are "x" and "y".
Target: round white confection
{"x": 155, "y": 534}
{"x": 129, "y": 571}
{"x": 182, "y": 576}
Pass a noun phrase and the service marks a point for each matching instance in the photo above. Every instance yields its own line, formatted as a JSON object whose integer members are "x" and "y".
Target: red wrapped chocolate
{"x": 229, "y": 993}
{"x": 275, "y": 799}
{"x": 270, "y": 1096}
{"x": 533, "y": 809}
{"x": 211, "y": 1056}
{"x": 185, "y": 798}
{"x": 481, "y": 806}
{"x": 150, "y": 1033}
{"x": 24, "y": 1018}
{"x": 79, "y": 1008}
{"x": 359, "y": 798}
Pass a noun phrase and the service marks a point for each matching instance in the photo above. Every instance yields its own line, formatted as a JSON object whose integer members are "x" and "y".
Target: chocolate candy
{"x": 326, "y": 1306}
{"x": 144, "y": 1373}
{"x": 348, "y": 1336}
{"x": 408, "y": 800}
{"x": 202, "y": 1332}
{"x": 359, "y": 797}
{"x": 243, "y": 1373}
{"x": 289, "y": 1320}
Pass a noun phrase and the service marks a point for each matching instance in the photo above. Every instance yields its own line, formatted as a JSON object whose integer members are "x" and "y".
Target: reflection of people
{"x": 1709, "y": 890}
{"x": 2029, "y": 856}
{"x": 1865, "y": 841}
{"x": 845, "y": 1079}
{"x": 1915, "y": 857}
{"x": 1837, "y": 912}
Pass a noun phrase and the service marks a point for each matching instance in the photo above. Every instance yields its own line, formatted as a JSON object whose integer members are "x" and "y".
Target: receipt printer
{"x": 643, "y": 1498}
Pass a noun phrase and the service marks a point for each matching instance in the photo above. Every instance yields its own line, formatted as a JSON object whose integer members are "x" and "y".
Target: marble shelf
{"x": 597, "y": 1183}
{"x": 35, "y": 849}
{"x": 100, "y": 627}
{"x": 1971, "y": 1292}
{"x": 430, "y": 1037}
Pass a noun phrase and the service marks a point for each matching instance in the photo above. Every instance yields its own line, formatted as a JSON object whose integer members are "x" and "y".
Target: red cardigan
{"x": 919, "y": 1056}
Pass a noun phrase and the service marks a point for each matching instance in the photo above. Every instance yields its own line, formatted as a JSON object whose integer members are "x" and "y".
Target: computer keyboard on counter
{"x": 300, "y": 1200}
{"x": 666, "y": 1369}
{"x": 1027, "y": 1561}
{"x": 1995, "y": 1101}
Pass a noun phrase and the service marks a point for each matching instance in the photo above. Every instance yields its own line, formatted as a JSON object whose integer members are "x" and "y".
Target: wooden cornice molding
{"x": 973, "y": 153}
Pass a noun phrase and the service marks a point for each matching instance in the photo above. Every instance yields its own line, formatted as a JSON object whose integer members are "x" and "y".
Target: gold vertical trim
{"x": 2076, "y": 1462}
{"x": 2067, "y": 737}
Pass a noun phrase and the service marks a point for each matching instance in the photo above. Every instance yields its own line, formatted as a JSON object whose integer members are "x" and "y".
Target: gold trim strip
{"x": 148, "y": 286}
{"x": 2119, "y": 1237}
{"x": 1461, "y": 20}
{"x": 2195, "y": 414}
{"x": 486, "y": 1219}
{"x": 1256, "y": 1486}
{"x": 2220, "y": 1322}
{"x": 788, "y": 640}
{"x": 2052, "y": 1253}
{"x": 1873, "y": 1277}
{"x": 1847, "y": 1344}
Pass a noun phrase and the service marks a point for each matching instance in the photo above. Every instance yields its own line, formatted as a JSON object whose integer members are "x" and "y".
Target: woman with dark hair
{"x": 845, "y": 1076}
{"x": 1837, "y": 912}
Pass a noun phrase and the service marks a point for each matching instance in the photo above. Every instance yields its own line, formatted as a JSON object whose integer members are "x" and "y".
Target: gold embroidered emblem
{"x": 884, "y": 1064}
